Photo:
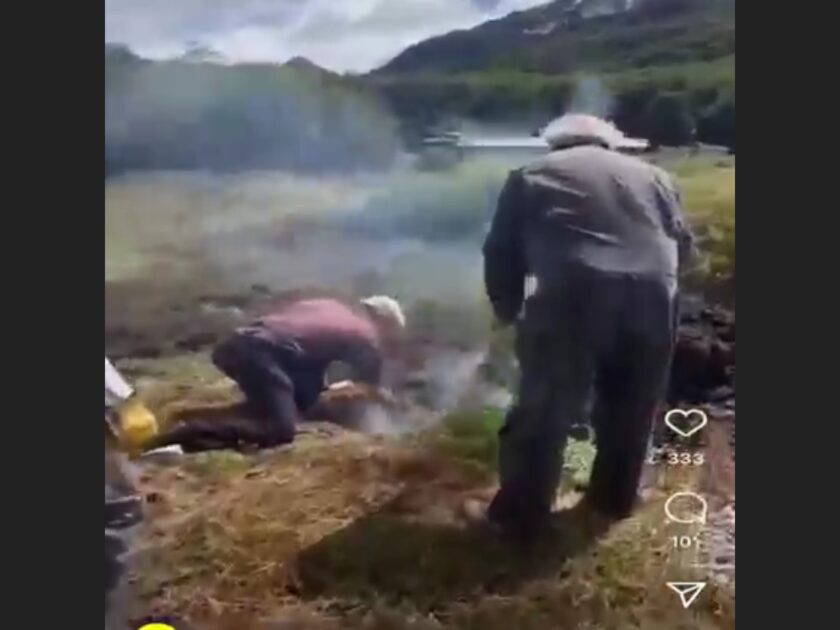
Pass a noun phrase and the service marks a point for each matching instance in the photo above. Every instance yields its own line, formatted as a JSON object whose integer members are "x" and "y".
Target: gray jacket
{"x": 583, "y": 206}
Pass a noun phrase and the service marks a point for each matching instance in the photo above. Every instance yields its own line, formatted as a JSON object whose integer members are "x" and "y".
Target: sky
{"x": 342, "y": 35}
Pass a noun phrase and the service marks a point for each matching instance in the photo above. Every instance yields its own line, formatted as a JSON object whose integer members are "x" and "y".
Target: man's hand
{"x": 348, "y": 391}
{"x": 387, "y": 397}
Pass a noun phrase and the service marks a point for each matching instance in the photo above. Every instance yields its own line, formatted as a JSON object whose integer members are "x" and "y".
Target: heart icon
{"x": 688, "y": 416}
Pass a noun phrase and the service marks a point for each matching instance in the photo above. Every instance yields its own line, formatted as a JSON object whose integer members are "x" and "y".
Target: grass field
{"x": 190, "y": 255}
{"x": 708, "y": 191}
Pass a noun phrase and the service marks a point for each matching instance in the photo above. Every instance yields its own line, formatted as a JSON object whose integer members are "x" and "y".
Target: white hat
{"x": 387, "y": 308}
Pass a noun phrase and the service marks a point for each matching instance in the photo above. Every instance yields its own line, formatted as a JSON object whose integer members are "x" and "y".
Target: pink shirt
{"x": 327, "y": 330}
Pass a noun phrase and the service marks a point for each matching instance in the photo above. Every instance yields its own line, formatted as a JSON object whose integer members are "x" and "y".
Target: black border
{"x": 54, "y": 97}
{"x": 786, "y": 183}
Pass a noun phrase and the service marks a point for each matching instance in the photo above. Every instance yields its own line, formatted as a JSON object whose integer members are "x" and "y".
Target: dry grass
{"x": 347, "y": 531}
{"x": 226, "y": 529}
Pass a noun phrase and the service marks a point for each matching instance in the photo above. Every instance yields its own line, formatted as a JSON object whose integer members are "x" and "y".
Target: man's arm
{"x": 504, "y": 263}
{"x": 366, "y": 364}
{"x": 675, "y": 224}
{"x": 361, "y": 361}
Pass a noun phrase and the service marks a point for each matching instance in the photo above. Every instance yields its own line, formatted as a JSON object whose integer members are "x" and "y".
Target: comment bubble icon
{"x": 687, "y": 508}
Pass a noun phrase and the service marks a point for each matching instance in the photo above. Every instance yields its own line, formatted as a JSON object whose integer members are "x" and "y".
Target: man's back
{"x": 583, "y": 207}
{"x": 321, "y": 318}
{"x": 601, "y": 209}
{"x": 322, "y": 330}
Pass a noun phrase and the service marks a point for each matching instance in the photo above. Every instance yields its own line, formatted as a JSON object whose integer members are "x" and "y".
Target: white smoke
{"x": 451, "y": 381}
{"x": 591, "y": 97}
{"x": 451, "y": 375}
{"x": 376, "y": 420}
{"x": 600, "y": 8}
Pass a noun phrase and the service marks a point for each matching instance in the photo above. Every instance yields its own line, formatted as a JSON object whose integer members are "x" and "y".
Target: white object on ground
{"x": 174, "y": 449}
{"x": 163, "y": 455}
{"x": 117, "y": 389}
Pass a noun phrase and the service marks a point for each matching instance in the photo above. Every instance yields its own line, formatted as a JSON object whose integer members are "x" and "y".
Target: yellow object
{"x": 137, "y": 425}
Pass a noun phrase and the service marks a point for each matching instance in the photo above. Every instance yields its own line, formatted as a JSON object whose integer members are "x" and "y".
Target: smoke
{"x": 452, "y": 380}
{"x": 203, "y": 116}
{"x": 377, "y": 420}
{"x": 600, "y": 8}
{"x": 591, "y": 97}
{"x": 275, "y": 210}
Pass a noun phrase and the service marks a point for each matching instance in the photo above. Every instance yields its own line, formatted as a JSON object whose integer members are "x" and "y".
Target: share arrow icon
{"x": 688, "y": 591}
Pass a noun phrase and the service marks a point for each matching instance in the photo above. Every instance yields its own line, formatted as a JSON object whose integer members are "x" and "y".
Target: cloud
{"x": 344, "y": 35}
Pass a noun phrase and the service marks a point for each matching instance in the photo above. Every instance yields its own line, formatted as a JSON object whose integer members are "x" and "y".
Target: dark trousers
{"x": 276, "y": 382}
{"x": 598, "y": 350}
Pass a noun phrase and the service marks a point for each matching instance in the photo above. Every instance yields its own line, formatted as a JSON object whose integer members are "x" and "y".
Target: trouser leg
{"x": 257, "y": 369}
{"x": 554, "y": 390}
{"x": 268, "y": 390}
{"x": 629, "y": 387}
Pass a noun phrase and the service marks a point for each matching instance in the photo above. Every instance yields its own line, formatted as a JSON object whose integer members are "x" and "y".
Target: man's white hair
{"x": 572, "y": 128}
{"x": 387, "y": 308}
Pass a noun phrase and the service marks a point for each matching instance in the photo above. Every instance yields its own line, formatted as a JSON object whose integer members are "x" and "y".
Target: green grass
{"x": 708, "y": 191}
{"x": 218, "y": 464}
{"x": 472, "y": 435}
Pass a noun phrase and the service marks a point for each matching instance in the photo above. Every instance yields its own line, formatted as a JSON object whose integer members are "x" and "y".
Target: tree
{"x": 717, "y": 124}
{"x": 669, "y": 121}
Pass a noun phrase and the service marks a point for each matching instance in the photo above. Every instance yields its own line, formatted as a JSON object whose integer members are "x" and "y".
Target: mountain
{"x": 199, "y": 53}
{"x": 195, "y": 113}
{"x": 661, "y": 69}
{"x": 302, "y": 64}
{"x": 572, "y": 35}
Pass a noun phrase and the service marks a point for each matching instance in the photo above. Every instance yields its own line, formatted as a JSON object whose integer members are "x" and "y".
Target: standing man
{"x": 280, "y": 363}
{"x": 601, "y": 235}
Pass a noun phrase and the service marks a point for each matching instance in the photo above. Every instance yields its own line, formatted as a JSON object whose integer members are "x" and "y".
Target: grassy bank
{"x": 708, "y": 191}
{"x": 350, "y": 532}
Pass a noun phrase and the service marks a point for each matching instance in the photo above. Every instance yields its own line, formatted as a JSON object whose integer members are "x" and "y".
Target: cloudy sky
{"x": 344, "y": 35}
